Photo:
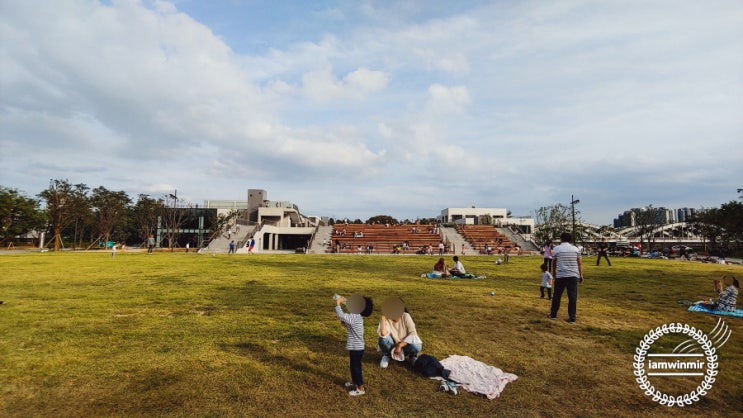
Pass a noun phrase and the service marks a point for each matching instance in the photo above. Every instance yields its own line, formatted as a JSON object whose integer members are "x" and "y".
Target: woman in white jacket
{"x": 398, "y": 338}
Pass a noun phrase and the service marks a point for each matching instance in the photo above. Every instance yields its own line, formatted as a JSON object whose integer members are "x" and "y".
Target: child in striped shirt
{"x": 358, "y": 308}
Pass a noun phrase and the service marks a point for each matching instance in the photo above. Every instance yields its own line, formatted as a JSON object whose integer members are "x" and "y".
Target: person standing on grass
{"x": 358, "y": 308}
{"x": 547, "y": 251}
{"x": 603, "y": 252}
{"x": 567, "y": 269}
{"x": 232, "y": 248}
{"x": 150, "y": 244}
{"x": 547, "y": 281}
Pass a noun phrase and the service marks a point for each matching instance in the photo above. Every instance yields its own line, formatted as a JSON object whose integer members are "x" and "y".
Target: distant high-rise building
{"x": 664, "y": 216}
{"x": 685, "y": 213}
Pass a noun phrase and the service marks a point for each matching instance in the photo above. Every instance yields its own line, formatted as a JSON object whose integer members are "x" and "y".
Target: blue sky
{"x": 359, "y": 108}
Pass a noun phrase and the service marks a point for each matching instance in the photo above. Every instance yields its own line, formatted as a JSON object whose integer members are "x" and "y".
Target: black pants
{"x": 571, "y": 284}
{"x": 598, "y": 259}
{"x": 357, "y": 377}
{"x": 549, "y": 291}
{"x": 548, "y": 263}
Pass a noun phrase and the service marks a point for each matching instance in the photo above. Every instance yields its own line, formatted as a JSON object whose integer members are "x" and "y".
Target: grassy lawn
{"x": 84, "y": 334}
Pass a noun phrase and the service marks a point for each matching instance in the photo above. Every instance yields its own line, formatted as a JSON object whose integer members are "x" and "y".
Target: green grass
{"x": 84, "y": 334}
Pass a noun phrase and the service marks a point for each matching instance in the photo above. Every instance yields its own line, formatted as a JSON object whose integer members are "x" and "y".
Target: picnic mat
{"x": 476, "y": 377}
{"x": 699, "y": 308}
{"x": 466, "y": 276}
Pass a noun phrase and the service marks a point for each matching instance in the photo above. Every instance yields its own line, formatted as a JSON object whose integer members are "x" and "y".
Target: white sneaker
{"x": 357, "y": 392}
{"x": 385, "y": 362}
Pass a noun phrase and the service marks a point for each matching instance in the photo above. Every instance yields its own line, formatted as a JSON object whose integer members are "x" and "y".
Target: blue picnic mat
{"x": 466, "y": 276}
{"x": 699, "y": 308}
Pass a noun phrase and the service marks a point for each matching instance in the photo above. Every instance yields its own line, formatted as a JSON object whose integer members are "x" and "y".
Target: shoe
{"x": 452, "y": 387}
{"x": 570, "y": 320}
{"x": 349, "y": 385}
{"x": 444, "y": 387}
{"x": 357, "y": 392}
{"x": 384, "y": 362}
{"x": 551, "y": 317}
{"x": 541, "y": 297}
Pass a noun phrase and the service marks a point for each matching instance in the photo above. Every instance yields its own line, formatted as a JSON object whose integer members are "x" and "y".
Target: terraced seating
{"x": 482, "y": 236}
{"x": 346, "y": 238}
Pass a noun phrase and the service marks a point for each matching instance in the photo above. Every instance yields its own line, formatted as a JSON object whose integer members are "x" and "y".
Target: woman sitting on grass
{"x": 728, "y": 297}
{"x": 440, "y": 267}
{"x": 398, "y": 338}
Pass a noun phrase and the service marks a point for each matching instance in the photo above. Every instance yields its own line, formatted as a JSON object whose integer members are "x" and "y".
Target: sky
{"x": 363, "y": 108}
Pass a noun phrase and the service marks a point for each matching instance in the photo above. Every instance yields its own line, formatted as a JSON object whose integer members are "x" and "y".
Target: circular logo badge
{"x": 685, "y": 364}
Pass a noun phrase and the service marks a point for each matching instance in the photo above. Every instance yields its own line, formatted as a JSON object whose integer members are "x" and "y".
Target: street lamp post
{"x": 573, "y": 202}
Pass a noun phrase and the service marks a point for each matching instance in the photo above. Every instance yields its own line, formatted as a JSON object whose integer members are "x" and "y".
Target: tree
{"x": 18, "y": 214}
{"x": 647, "y": 221}
{"x": 723, "y": 226}
{"x": 110, "y": 210}
{"x": 63, "y": 201}
{"x": 551, "y": 221}
{"x": 171, "y": 219}
{"x": 382, "y": 219}
{"x": 144, "y": 216}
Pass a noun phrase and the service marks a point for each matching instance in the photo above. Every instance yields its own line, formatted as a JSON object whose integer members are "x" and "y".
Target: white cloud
{"x": 447, "y": 99}
{"x": 429, "y": 97}
{"x": 323, "y": 85}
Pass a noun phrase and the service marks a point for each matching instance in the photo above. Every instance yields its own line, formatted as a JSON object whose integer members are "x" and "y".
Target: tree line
{"x": 78, "y": 215}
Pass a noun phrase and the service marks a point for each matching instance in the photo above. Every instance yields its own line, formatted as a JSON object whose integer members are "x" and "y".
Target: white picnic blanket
{"x": 477, "y": 377}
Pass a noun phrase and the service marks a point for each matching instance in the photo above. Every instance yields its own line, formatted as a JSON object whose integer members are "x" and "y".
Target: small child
{"x": 358, "y": 308}
{"x": 547, "y": 281}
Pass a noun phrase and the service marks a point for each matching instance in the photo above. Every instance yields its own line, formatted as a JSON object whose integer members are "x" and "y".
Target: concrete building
{"x": 493, "y": 216}
{"x": 275, "y": 225}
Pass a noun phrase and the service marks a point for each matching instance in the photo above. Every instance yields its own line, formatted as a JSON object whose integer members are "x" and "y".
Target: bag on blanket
{"x": 429, "y": 366}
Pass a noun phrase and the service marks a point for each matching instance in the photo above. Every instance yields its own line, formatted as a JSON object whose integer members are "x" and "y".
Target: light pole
{"x": 573, "y": 202}
{"x": 175, "y": 198}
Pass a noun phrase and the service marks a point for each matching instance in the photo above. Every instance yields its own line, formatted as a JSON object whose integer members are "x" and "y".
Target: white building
{"x": 475, "y": 216}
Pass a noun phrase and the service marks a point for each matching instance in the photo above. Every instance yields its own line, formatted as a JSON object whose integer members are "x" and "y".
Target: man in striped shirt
{"x": 567, "y": 270}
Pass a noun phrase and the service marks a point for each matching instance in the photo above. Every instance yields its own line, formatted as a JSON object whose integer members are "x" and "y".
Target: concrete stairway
{"x": 456, "y": 240}
{"x": 221, "y": 244}
{"x": 323, "y": 233}
{"x": 518, "y": 239}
